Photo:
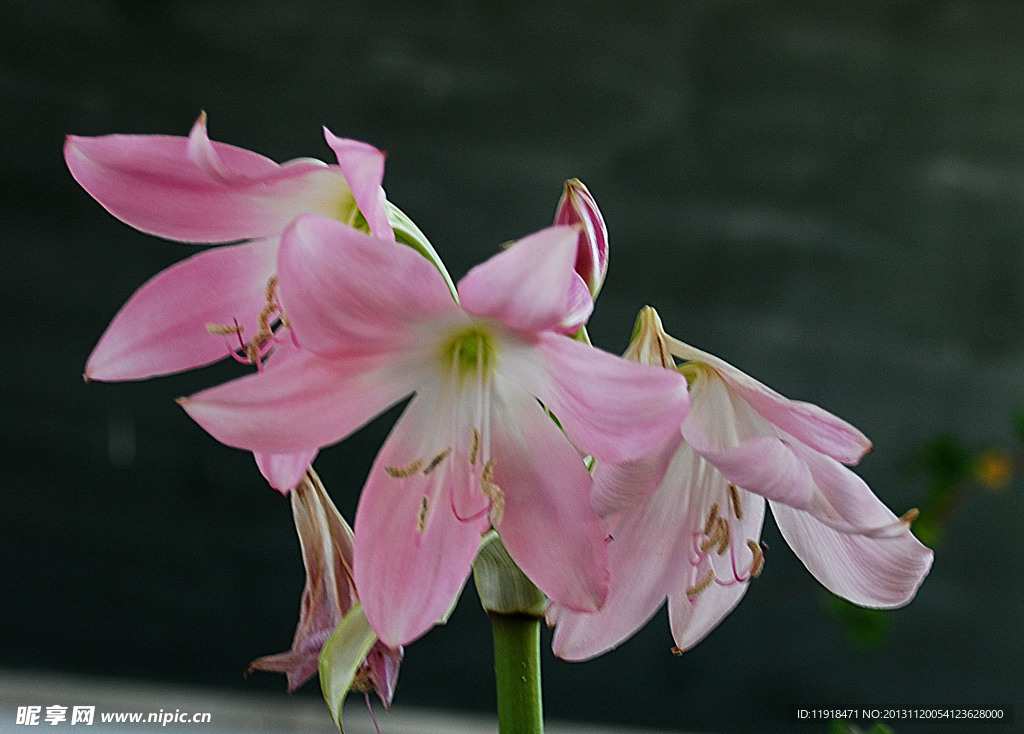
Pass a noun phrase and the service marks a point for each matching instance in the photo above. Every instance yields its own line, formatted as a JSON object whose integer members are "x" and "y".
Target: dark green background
{"x": 829, "y": 198}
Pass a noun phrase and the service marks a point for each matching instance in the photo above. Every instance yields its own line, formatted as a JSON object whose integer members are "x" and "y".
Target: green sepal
{"x": 501, "y": 586}
{"x": 409, "y": 234}
{"x": 342, "y": 656}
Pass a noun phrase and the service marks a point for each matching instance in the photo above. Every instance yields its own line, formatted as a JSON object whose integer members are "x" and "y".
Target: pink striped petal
{"x": 808, "y": 423}
{"x": 362, "y": 165}
{"x": 348, "y": 293}
{"x": 303, "y": 404}
{"x": 284, "y": 471}
{"x": 844, "y": 501}
{"x": 193, "y": 190}
{"x": 881, "y": 573}
{"x": 548, "y": 525}
{"x": 413, "y": 553}
{"x": 692, "y": 618}
{"x": 530, "y": 286}
{"x": 647, "y": 554}
{"x": 611, "y": 408}
{"x": 162, "y": 327}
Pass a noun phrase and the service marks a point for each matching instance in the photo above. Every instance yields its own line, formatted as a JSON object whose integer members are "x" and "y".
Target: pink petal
{"x": 611, "y": 408}
{"x": 647, "y": 555}
{"x": 348, "y": 293}
{"x": 872, "y": 572}
{"x": 199, "y": 191}
{"x": 581, "y": 305}
{"x": 162, "y": 328}
{"x": 302, "y": 404}
{"x": 768, "y": 467}
{"x": 285, "y": 471}
{"x": 412, "y": 560}
{"x": 742, "y": 445}
{"x": 548, "y": 527}
{"x": 844, "y": 501}
{"x": 530, "y": 285}
{"x": 623, "y": 487}
{"x": 692, "y": 617}
{"x": 362, "y": 165}
{"x": 808, "y": 423}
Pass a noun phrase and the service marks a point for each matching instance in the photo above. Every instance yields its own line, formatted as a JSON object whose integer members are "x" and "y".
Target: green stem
{"x": 517, "y": 673}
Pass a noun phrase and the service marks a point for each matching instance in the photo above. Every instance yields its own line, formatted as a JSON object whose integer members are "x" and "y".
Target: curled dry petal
{"x": 329, "y": 594}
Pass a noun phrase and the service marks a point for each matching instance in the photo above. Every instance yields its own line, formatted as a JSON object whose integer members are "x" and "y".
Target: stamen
{"x": 222, "y": 330}
{"x": 401, "y": 472}
{"x": 705, "y": 583}
{"x": 909, "y": 516}
{"x": 723, "y": 544}
{"x": 493, "y": 493}
{"x": 436, "y": 461}
{"x": 676, "y": 651}
{"x": 497, "y": 498}
{"x": 711, "y": 519}
{"x": 734, "y": 498}
{"x": 421, "y": 520}
{"x": 474, "y": 447}
{"x": 255, "y": 349}
{"x": 757, "y": 565}
{"x": 711, "y": 540}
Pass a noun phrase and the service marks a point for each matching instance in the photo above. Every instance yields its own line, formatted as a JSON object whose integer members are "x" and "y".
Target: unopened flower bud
{"x": 577, "y": 208}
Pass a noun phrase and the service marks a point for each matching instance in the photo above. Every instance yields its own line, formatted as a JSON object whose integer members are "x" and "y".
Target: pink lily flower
{"x": 223, "y": 299}
{"x": 330, "y": 592}
{"x": 474, "y": 448}
{"x": 686, "y": 519}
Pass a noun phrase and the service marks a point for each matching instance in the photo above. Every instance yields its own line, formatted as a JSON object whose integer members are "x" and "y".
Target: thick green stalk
{"x": 516, "y": 608}
{"x": 517, "y": 673}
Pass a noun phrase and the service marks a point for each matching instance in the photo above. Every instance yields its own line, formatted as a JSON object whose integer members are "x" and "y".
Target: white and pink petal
{"x": 611, "y": 408}
{"x": 346, "y": 293}
{"x": 548, "y": 525}
{"x": 163, "y": 326}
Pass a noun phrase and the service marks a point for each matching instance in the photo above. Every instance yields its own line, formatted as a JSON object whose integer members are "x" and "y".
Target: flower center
{"x": 347, "y": 212}
{"x": 470, "y": 352}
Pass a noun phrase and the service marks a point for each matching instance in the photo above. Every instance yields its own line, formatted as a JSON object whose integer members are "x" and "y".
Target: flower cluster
{"x": 614, "y": 483}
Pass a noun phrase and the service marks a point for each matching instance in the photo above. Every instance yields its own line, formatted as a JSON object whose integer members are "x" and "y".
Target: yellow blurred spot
{"x": 994, "y": 469}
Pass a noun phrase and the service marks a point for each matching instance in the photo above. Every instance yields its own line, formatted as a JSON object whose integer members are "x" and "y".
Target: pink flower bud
{"x": 578, "y": 209}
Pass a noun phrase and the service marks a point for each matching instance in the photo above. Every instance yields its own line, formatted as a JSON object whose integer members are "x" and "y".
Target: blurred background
{"x": 829, "y": 198}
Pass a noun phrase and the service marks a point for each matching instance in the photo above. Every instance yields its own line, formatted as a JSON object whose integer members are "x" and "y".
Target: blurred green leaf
{"x": 865, "y": 627}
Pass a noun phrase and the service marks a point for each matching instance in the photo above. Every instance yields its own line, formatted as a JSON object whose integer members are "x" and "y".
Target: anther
{"x": 677, "y": 651}
{"x": 474, "y": 447}
{"x": 711, "y": 519}
{"x": 497, "y": 511}
{"x": 401, "y": 472}
{"x": 487, "y": 473}
{"x": 436, "y": 461}
{"x": 704, "y": 583}
{"x": 711, "y": 540}
{"x": 734, "y": 498}
{"x": 421, "y": 519}
{"x": 222, "y": 330}
{"x": 723, "y": 544}
{"x": 756, "y": 565}
{"x": 909, "y": 516}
